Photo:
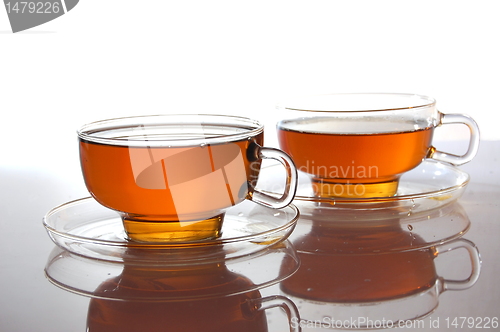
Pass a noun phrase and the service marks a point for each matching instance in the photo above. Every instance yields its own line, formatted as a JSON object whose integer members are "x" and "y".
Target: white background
{"x": 112, "y": 58}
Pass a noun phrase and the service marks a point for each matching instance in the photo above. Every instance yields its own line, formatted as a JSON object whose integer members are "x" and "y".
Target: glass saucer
{"x": 430, "y": 185}
{"x": 364, "y": 231}
{"x": 86, "y": 228}
{"x": 388, "y": 314}
{"x": 159, "y": 280}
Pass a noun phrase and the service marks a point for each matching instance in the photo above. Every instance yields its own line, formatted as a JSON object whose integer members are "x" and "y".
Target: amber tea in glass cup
{"x": 171, "y": 177}
{"x": 358, "y": 145}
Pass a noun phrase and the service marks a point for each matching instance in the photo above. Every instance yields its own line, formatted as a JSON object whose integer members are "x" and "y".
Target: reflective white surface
{"x": 30, "y": 303}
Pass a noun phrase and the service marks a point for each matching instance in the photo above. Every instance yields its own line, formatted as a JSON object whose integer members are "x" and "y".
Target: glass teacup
{"x": 171, "y": 177}
{"x": 358, "y": 145}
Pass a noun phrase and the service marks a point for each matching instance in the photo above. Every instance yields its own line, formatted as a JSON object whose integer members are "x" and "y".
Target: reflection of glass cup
{"x": 185, "y": 289}
{"x": 371, "y": 265}
{"x": 358, "y": 145}
{"x": 171, "y": 177}
{"x": 194, "y": 308}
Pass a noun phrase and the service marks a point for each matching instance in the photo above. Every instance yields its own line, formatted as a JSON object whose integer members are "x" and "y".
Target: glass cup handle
{"x": 473, "y": 143}
{"x": 276, "y": 301}
{"x": 475, "y": 259}
{"x": 291, "y": 180}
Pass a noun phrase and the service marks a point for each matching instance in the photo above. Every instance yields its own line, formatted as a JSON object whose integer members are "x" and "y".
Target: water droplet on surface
{"x": 410, "y": 228}
{"x": 413, "y": 205}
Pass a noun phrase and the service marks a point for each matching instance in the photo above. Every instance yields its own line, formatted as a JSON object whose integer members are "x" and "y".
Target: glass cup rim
{"x": 294, "y": 103}
{"x": 90, "y": 131}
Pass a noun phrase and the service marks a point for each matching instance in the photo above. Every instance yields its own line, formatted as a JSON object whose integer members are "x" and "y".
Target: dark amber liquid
{"x": 361, "y": 278}
{"x": 351, "y": 262}
{"x": 374, "y": 160}
{"x": 170, "y": 193}
{"x": 166, "y": 305}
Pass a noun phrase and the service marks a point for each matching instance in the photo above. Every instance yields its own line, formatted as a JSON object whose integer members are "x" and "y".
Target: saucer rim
{"x": 54, "y": 278}
{"x": 52, "y": 230}
{"x": 405, "y": 197}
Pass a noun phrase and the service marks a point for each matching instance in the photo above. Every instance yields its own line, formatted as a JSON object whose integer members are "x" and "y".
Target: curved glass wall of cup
{"x": 369, "y": 269}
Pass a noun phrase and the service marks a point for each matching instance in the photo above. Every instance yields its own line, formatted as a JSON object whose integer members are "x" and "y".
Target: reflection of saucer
{"x": 430, "y": 185}
{"x": 368, "y": 316}
{"x": 382, "y": 230}
{"x": 86, "y": 228}
{"x": 203, "y": 279}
